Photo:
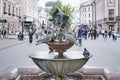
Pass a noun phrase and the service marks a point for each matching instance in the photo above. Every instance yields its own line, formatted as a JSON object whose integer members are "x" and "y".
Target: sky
{"x": 73, "y": 3}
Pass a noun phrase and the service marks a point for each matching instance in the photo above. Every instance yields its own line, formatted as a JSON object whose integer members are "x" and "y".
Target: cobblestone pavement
{"x": 105, "y": 53}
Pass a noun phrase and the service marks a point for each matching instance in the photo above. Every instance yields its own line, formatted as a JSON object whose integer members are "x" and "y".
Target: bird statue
{"x": 71, "y": 38}
{"x": 47, "y": 38}
{"x": 86, "y": 53}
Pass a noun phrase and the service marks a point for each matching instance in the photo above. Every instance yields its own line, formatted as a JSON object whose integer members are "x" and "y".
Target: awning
{"x": 3, "y": 21}
{"x": 117, "y": 18}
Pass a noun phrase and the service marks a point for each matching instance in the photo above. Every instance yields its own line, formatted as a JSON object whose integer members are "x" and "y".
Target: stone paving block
{"x": 29, "y": 71}
{"x": 9, "y": 74}
{"x": 113, "y": 76}
{"x": 36, "y": 73}
{"x": 92, "y": 71}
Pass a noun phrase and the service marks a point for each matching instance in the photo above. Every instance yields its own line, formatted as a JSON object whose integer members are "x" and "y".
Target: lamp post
{"x": 22, "y": 32}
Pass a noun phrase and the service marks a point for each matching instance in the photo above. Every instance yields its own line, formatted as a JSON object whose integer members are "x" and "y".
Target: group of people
{"x": 80, "y": 33}
{"x": 111, "y": 33}
{"x": 93, "y": 33}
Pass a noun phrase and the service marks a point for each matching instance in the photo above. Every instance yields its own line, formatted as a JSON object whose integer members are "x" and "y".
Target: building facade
{"x": 105, "y": 13}
{"x": 18, "y": 15}
{"x": 29, "y": 14}
{"x": 86, "y": 14}
{"x": 10, "y": 12}
{"x": 44, "y": 15}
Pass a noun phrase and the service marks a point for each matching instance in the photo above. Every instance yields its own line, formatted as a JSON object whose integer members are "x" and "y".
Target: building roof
{"x": 87, "y": 3}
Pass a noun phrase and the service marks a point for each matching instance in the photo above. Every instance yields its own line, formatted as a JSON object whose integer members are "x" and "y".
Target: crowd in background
{"x": 80, "y": 32}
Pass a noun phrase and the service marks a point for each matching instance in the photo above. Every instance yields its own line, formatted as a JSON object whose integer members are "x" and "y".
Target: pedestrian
{"x": 105, "y": 34}
{"x": 114, "y": 37}
{"x": 94, "y": 33}
{"x": 80, "y": 35}
{"x": 37, "y": 33}
{"x": 3, "y": 33}
{"x": 85, "y": 33}
{"x": 91, "y": 33}
{"x": 42, "y": 32}
{"x": 109, "y": 33}
{"x": 31, "y": 32}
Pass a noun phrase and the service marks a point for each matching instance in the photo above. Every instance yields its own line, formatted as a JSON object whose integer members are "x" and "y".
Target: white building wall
{"x": 102, "y": 14}
{"x": 86, "y": 15}
{"x": 31, "y": 8}
{"x": 100, "y": 10}
{"x": 12, "y": 23}
{"x": 1, "y": 9}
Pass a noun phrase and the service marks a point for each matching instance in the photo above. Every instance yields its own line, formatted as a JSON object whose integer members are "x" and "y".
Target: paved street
{"x": 105, "y": 53}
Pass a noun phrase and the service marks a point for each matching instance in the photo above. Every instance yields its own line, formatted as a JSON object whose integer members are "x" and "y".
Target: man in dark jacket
{"x": 3, "y": 33}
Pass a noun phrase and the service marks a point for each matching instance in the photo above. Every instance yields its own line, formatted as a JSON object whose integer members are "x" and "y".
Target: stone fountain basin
{"x": 59, "y": 66}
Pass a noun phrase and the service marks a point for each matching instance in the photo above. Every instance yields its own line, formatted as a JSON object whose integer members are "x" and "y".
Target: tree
{"x": 66, "y": 9}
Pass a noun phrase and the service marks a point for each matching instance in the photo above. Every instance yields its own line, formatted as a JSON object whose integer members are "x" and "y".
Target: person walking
{"x": 109, "y": 34}
{"x": 114, "y": 37}
{"x": 3, "y": 33}
{"x": 94, "y": 33}
{"x": 91, "y": 33}
{"x": 80, "y": 35}
{"x": 105, "y": 34}
{"x": 31, "y": 32}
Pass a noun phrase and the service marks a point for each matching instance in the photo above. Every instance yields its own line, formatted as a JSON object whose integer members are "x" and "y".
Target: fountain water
{"x": 61, "y": 62}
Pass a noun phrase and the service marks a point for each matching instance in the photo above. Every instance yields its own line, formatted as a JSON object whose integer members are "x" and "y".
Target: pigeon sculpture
{"x": 47, "y": 38}
{"x": 72, "y": 39}
{"x": 86, "y": 53}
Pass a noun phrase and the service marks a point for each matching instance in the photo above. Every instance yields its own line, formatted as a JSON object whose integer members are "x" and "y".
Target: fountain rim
{"x": 30, "y": 55}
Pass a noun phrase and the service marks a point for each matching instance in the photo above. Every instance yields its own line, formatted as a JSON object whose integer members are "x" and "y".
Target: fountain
{"x": 61, "y": 62}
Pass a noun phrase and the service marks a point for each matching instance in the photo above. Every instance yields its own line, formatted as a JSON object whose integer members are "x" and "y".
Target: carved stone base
{"x": 37, "y": 74}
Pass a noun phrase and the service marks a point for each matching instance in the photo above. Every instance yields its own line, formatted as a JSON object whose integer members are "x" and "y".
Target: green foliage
{"x": 66, "y": 9}
{"x": 58, "y": 4}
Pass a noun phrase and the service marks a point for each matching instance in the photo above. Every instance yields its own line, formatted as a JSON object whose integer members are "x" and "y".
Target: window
{"x": 111, "y": 14}
{"x": 89, "y": 15}
{"x": 4, "y": 8}
{"x": 17, "y": 12}
{"x": 9, "y": 10}
{"x": 89, "y": 9}
{"x": 85, "y": 9}
{"x": 13, "y": 11}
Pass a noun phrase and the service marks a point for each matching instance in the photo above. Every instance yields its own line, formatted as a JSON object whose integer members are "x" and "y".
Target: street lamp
{"x": 22, "y": 22}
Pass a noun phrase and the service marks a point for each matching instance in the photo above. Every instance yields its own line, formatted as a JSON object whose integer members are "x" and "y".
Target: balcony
{"x": 109, "y": 20}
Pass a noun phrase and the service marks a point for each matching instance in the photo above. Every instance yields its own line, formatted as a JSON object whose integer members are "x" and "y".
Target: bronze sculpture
{"x": 62, "y": 61}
